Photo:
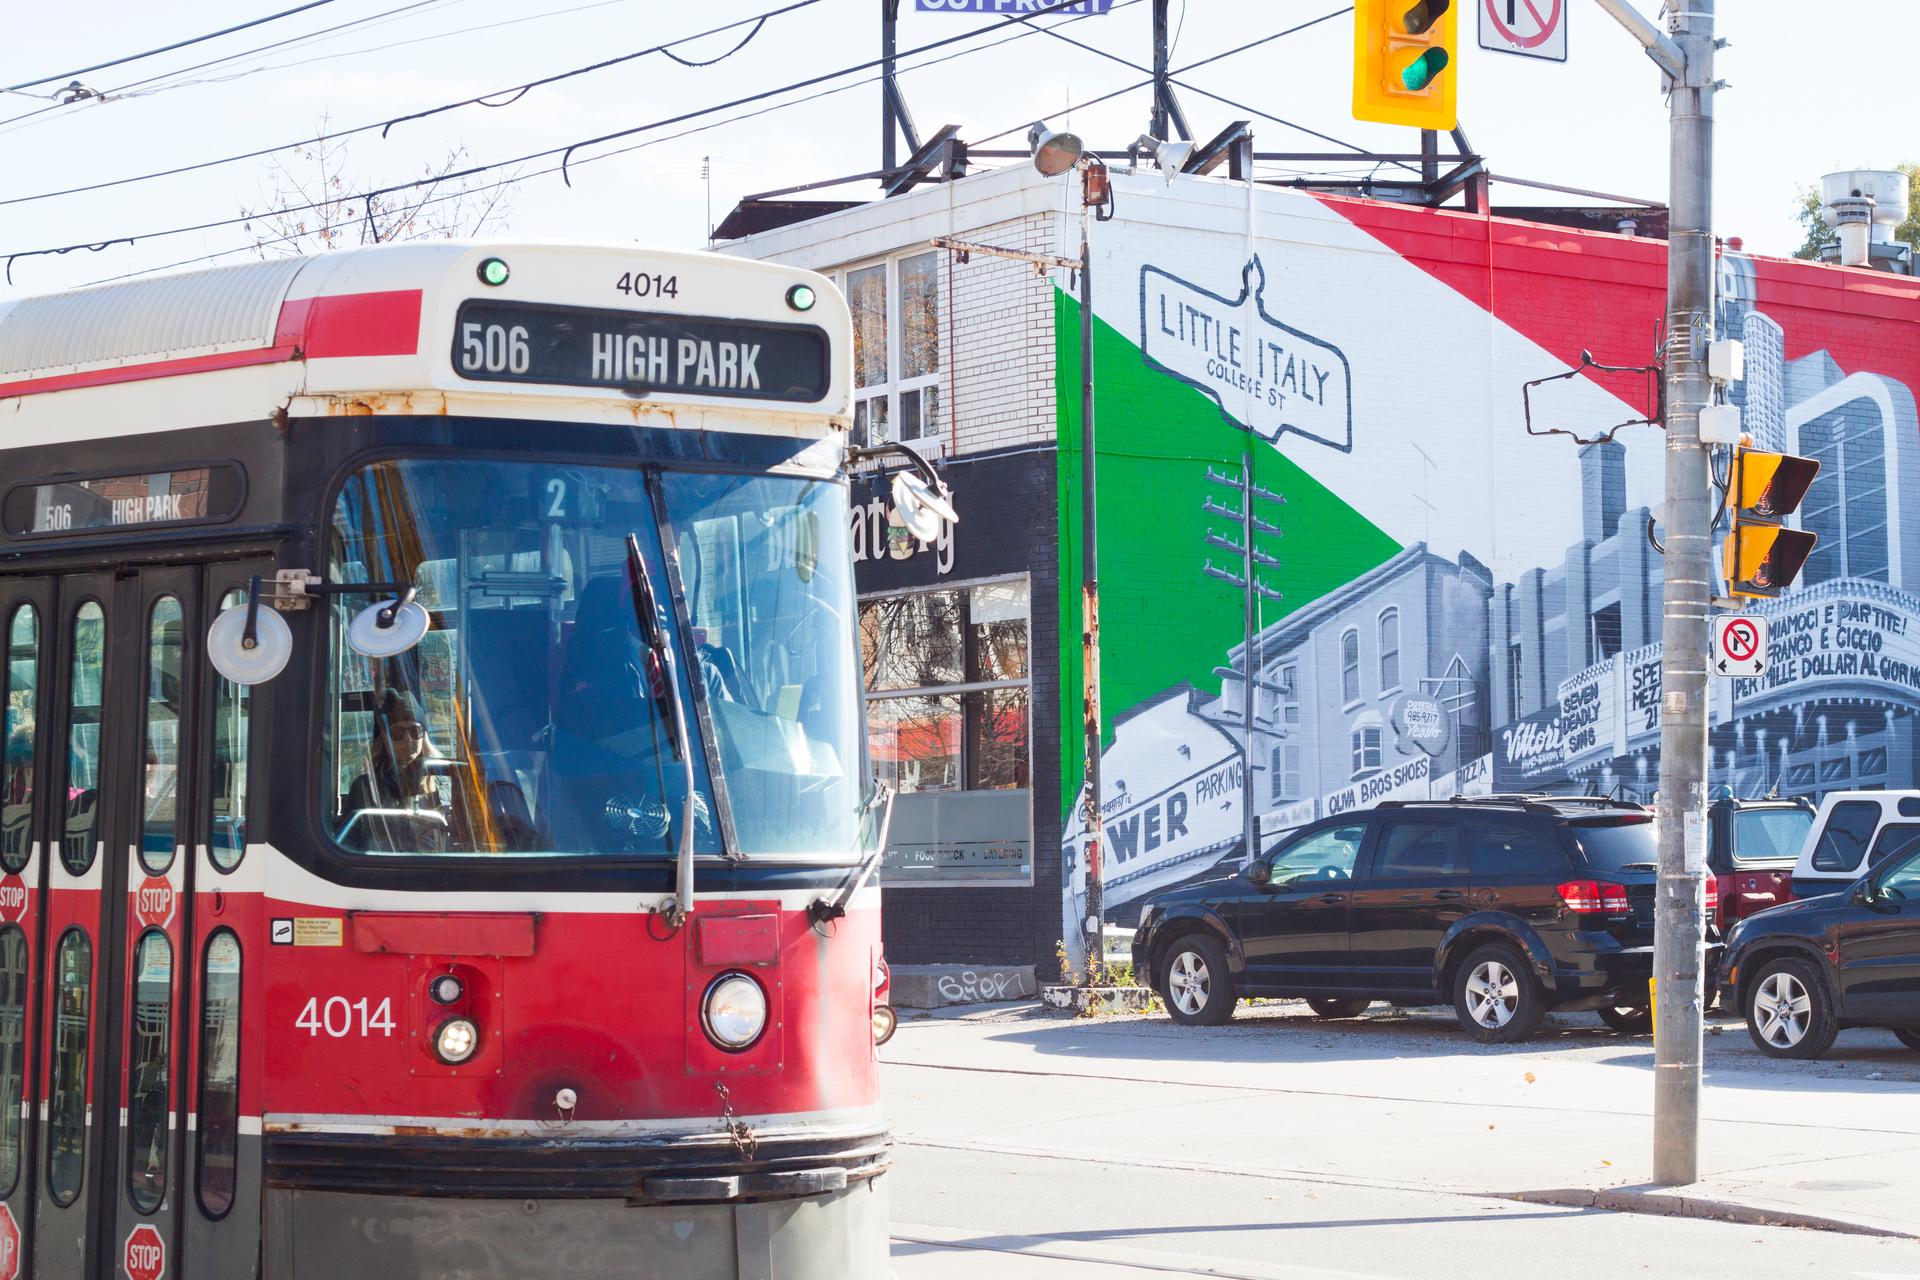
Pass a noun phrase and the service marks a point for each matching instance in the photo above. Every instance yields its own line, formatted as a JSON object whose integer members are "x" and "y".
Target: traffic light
{"x": 1403, "y": 55}
{"x": 1762, "y": 556}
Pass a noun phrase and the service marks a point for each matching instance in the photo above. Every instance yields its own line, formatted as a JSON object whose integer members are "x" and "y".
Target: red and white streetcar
{"x": 437, "y": 833}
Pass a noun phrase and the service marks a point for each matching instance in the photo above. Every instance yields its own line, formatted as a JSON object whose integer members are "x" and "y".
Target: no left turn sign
{"x": 1739, "y": 645}
{"x": 1529, "y": 28}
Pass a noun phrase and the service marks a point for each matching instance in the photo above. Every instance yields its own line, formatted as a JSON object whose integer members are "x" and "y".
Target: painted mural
{"x": 1443, "y": 604}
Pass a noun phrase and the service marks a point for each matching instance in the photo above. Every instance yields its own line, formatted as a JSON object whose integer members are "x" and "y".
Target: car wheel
{"x": 1496, "y": 997}
{"x": 1195, "y": 983}
{"x": 1789, "y": 1014}
{"x": 1628, "y": 1020}
{"x": 1911, "y": 1039}
{"x": 1327, "y": 1007}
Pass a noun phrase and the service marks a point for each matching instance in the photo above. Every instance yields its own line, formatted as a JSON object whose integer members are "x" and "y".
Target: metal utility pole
{"x": 1090, "y": 607}
{"x": 1685, "y": 53}
{"x": 1093, "y": 193}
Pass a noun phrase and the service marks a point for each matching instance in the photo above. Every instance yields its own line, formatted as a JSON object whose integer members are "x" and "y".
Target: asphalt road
{"x": 1279, "y": 1147}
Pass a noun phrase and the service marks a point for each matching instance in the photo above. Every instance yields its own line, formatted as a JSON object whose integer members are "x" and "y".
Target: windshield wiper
{"x": 821, "y": 910}
{"x": 646, "y": 609}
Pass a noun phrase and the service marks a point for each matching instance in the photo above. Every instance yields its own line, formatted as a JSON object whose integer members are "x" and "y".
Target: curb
{"x": 1669, "y": 1204}
{"x": 1084, "y": 1000}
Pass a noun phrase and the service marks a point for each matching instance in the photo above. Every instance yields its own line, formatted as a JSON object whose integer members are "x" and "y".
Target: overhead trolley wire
{"x": 168, "y": 48}
{"x": 122, "y": 91}
{"x": 607, "y": 155}
{"x": 564, "y": 152}
{"x": 512, "y": 94}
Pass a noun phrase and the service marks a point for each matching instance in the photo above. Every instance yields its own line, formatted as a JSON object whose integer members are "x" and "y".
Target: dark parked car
{"x": 1505, "y": 906}
{"x": 1802, "y": 972}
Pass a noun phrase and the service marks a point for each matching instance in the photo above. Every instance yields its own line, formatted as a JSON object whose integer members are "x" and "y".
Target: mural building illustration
{"x": 1444, "y": 604}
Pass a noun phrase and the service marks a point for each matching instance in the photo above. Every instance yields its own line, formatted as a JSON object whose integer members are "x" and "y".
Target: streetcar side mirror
{"x": 250, "y": 644}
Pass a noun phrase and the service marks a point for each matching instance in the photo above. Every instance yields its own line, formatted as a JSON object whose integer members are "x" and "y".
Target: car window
{"x": 1769, "y": 835}
{"x": 1617, "y": 844}
{"x": 1893, "y": 838}
{"x": 1509, "y": 849}
{"x": 1420, "y": 851}
{"x": 1902, "y": 880}
{"x": 1322, "y": 855}
{"x": 1844, "y": 843}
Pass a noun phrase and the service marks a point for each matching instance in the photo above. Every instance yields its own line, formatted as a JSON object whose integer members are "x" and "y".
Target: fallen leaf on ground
{"x": 1529, "y": 1077}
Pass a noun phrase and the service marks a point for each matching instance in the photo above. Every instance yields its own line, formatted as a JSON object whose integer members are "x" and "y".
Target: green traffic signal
{"x": 1423, "y": 70}
{"x": 1423, "y": 15}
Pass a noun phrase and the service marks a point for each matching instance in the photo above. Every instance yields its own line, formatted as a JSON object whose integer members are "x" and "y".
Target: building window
{"x": 1349, "y": 666}
{"x": 1847, "y": 503}
{"x": 1603, "y": 633}
{"x": 1514, "y": 683}
{"x": 1283, "y": 778}
{"x": 1290, "y": 699}
{"x": 1389, "y": 649}
{"x": 1366, "y": 751}
{"x": 949, "y": 688}
{"x": 896, "y": 349}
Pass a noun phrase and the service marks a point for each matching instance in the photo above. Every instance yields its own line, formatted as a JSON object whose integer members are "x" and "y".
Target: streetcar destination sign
{"x": 185, "y": 495}
{"x": 640, "y": 351}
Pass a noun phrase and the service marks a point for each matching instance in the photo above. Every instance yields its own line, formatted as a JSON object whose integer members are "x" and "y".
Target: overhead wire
{"x": 512, "y": 93}
{"x": 169, "y": 48}
{"x": 565, "y": 152}
{"x": 122, "y": 91}
{"x": 1315, "y": 133}
{"x": 607, "y": 155}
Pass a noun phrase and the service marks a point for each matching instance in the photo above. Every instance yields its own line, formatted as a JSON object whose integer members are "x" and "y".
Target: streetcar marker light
{"x": 802, "y": 297}
{"x": 445, "y": 989}
{"x": 456, "y": 1040}
{"x": 494, "y": 272}
{"x": 734, "y": 1012}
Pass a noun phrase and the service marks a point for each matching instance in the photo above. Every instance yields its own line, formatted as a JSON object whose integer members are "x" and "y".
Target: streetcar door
{"x": 125, "y": 654}
{"x": 24, "y": 814}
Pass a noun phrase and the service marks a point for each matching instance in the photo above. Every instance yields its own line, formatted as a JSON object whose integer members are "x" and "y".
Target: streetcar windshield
{"x": 532, "y": 720}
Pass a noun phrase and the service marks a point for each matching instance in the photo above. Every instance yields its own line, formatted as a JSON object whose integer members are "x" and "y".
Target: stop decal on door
{"x": 9, "y": 1244}
{"x": 146, "y": 1253}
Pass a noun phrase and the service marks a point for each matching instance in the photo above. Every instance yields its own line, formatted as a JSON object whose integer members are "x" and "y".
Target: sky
{"x": 1807, "y": 94}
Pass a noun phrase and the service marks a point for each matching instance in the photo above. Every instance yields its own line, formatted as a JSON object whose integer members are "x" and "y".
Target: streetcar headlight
{"x": 802, "y": 297}
{"x": 456, "y": 1040}
{"x": 734, "y": 1012}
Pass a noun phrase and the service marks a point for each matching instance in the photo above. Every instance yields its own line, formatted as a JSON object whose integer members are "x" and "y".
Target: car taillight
{"x": 1713, "y": 898}
{"x": 1593, "y": 896}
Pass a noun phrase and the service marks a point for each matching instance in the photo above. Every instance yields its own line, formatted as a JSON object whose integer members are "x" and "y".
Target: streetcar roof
{"x": 382, "y": 320}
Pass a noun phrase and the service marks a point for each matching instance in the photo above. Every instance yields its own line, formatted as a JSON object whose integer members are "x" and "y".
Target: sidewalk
{"x": 1410, "y": 1103}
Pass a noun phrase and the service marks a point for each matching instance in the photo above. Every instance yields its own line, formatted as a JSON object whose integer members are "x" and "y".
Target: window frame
{"x": 1350, "y": 669}
{"x": 870, "y": 696}
{"x": 896, "y": 386}
{"x": 1390, "y": 613}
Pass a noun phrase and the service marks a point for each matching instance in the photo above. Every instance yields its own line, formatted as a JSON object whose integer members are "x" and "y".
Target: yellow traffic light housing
{"x": 1403, "y": 52}
{"x": 1761, "y": 556}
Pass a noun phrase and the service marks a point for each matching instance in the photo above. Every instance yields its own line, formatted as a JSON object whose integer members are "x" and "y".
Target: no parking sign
{"x": 1529, "y": 28}
{"x": 1739, "y": 644}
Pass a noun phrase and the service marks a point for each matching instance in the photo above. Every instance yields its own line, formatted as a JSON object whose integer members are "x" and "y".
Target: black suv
{"x": 1507, "y": 906}
{"x": 1800, "y": 972}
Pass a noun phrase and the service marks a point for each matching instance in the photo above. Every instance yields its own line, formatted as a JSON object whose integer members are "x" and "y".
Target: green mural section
{"x": 1163, "y": 620}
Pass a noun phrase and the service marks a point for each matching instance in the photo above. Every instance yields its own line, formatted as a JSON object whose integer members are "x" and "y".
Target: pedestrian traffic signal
{"x": 1762, "y": 556}
{"x": 1403, "y": 52}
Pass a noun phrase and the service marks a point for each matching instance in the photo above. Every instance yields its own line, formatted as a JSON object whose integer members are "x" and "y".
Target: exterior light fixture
{"x": 493, "y": 272}
{"x": 1169, "y": 157}
{"x": 1054, "y": 152}
{"x": 456, "y": 1040}
{"x": 802, "y": 297}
